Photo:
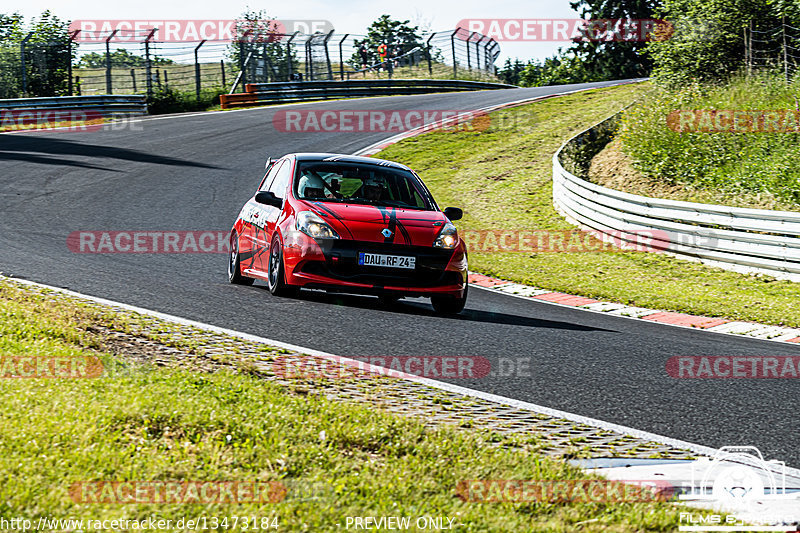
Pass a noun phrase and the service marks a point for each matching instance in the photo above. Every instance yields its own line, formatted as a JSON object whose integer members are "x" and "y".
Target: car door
{"x": 254, "y": 236}
{"x": 270, "y": 214}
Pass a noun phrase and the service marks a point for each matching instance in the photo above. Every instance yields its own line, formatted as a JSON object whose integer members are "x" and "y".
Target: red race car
{"x": 349, "y": 224}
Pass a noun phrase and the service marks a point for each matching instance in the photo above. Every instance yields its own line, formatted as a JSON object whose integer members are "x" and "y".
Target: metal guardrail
{"x": 105, "y": 105}
{"x": 741, "y": 239}
{"x": 284, "y": 92}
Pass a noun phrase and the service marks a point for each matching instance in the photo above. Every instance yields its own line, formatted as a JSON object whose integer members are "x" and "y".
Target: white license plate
{"x": 390, "y": 261}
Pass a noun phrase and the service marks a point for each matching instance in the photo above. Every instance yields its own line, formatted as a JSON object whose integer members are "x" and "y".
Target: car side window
{"x": 270, "y": 177}
{"x": 281, "y": 180}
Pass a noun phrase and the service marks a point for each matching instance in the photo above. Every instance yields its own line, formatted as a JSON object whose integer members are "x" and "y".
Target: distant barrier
{"x": 103, "y": 105}
{"x": 284, "y": 92}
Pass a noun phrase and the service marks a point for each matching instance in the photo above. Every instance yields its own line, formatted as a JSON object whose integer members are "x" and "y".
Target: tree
{"x": 610, "y": 60}
{"x": 11, "y": 33}
{"x": 392, "y": 33}
{"x": 560, "y": 69}
{"x": 257, "y": 37}
{"x": 47, "y": 55}
{"x": 708, "y": 41}
{"x": 511, "y": 71}
{"x": 120, "y": 58}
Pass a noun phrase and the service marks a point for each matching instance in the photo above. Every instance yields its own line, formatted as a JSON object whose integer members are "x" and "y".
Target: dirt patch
{"x": 136, "y": 349}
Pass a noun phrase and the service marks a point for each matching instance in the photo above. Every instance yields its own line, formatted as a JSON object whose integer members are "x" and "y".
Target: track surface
{"x": 195, "y": 172}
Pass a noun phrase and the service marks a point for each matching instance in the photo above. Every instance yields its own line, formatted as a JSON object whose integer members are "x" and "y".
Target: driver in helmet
{"x": 374, "y": 188}
{"x": 311, "y": 186}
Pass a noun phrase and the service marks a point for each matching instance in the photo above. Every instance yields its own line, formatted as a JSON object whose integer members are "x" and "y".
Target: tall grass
{"x": 738, "y": 163}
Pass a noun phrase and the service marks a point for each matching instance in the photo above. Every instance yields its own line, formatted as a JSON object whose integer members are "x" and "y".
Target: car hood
{"x": 366, "y": 222}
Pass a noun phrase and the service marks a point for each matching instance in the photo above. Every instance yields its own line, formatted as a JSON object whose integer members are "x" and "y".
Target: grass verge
{"x": 139, "y": 422}
{"x": 502, "y": 178}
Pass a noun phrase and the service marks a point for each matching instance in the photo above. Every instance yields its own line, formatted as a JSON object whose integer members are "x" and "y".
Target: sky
{"x": 347, "y": 16}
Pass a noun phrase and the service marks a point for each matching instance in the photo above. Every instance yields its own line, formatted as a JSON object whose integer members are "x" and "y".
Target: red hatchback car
{"x": 349, "y": 224}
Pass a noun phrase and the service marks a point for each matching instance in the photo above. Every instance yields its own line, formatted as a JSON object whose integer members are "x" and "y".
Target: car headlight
{"x": 312, "y": 225}
{"x": 448, "y": 237}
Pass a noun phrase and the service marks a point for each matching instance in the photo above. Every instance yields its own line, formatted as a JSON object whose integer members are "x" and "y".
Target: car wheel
{"x": 276, "y": 280}
{"x": 448, "y": 305}
{"x": 234, "y": 264}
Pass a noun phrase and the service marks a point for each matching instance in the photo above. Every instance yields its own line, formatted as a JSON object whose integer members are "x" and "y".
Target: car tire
{"x": 234, "y": 263}
{"x": 276, "y": 278}
{"x": 449, "y": 305}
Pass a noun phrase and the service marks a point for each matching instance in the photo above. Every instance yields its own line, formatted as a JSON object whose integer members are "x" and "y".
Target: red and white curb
{"x": 715, "y": 324}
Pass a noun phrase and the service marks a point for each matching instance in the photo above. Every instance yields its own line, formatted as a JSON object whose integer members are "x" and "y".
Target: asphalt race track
{"x": 194, "y": 172}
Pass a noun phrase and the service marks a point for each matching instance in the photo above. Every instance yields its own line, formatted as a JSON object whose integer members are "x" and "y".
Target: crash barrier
{"x": 284, "y": 92}
{"x": 105, "y": 105}
{"x": 741, "y": 239}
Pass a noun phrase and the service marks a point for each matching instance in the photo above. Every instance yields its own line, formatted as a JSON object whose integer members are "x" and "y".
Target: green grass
{"x": 502, "y": 178}
{"x": 733, "y": 164}
{"x": 144, "y": 423}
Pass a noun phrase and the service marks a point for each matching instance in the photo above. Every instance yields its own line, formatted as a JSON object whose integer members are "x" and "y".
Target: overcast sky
{"x": 347, "y": 16}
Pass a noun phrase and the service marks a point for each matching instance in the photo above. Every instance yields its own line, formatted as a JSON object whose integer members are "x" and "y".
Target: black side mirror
{"x": 269, "y": 163}
{"x": 453, "y": 213}
{"x": 268, "y": 198}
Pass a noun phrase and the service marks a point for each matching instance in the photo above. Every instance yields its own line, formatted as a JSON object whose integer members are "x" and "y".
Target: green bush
{"x": 171, "y": 101}
{"x": 749, "y": 163}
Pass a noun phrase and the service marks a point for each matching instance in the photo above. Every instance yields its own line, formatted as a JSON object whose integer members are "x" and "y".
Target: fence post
{"x": 133, "y": 79}
{"x": 469, "y": 39}
{"x": 242, "y": 73}
{"x": 750, "y": 53}
{"x": 290, "y": 70}
{"x": 327, "y": 55}
{"x": 22, "y": 63}
{"x": 478, "y": 47}
{"x": 69, "y": 60}
{"x": 428, "y": 53}
{"x": 309, "y": 66}
{"x": 109, "y": 88}
{"x": 453, "y": 48}
{"x": 197, "y": 70}
{"x": 341, "y": 59}
{"x": 147, "y": 66}
{"x": 222, "y": 70}
{"x": 785, "y": 54}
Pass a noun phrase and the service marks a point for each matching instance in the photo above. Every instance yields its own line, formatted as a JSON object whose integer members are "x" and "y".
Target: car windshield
{"x": 331, "y": 181}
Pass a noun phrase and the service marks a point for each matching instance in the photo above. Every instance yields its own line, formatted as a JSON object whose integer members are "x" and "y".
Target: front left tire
{"x": 448, "y": 305}
{"x": 234, "y": 263}
{"x": 276, "y": 279}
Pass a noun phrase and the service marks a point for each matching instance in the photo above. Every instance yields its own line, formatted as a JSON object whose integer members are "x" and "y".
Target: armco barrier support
{"x": 106, "y": 105}
{"x": 285, "y": 92}
{"x": 741, "y": 239}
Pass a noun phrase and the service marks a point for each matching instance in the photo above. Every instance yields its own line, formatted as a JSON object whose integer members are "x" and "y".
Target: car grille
{"x": 341, "y": 262}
